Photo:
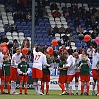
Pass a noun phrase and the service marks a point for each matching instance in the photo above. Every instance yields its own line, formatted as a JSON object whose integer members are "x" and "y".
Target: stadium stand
{"x": 69, "y": 11}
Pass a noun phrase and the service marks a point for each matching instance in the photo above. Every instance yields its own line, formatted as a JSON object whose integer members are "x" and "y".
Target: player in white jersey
{"x": 14, "y": 74}
{"x": 39, "y": 60}
{"x": 1, "y": 60}
{"x": 95, "y": 59}
{"x": 77, "y": 71}
{"x": 70, "y": 72}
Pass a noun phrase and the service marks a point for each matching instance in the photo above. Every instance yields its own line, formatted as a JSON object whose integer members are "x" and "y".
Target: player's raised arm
{"x": 34, "y": 49}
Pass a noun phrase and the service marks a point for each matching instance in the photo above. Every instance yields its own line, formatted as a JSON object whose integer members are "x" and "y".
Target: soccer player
{"x": 95, "y": 59}
{"x": 46, "y": 75}
{"x": 63, "y": 74}
{"x": 70, "y": 73}
{"x": 5, "y": 74}
{"x": 77, "y": 71}
{"x": 1, "y": 60}
{"x": 39, "y": 60}
{"x": 23, "y": 70}
{"x": 14, "y": 74}
{"x": 84, "y": 73}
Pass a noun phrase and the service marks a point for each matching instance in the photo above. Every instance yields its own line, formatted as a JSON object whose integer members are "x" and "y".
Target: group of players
{"x": 70, "y": 66}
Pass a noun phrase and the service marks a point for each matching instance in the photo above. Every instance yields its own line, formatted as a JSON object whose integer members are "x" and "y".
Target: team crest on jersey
{"x": 20, "y": 65}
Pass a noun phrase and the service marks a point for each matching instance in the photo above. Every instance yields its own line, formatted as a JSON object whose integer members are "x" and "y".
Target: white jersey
{"x": 95, "y": 59}
{"x": 71, "y": 64}
{"x": 39, "y": 60}
{"x": 77, "y": 63}
{"x": 1, "y": 59}
{"x": 16, "y": 60}
{"x": 90, "y": 52}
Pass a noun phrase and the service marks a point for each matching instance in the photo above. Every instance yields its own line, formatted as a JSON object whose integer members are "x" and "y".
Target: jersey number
{"x": 37, "y": 57}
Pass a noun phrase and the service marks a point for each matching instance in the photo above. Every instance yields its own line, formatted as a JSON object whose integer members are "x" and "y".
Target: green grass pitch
{"x": 53, "y": 94}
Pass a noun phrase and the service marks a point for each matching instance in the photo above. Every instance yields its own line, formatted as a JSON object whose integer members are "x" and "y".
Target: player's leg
{"x": 8, "y": 87}
{"x": 25, "y": 84}
{"x": 25, "y": 89}
{"x": 76, "y": 81}
{"x": 82, "y": 87}
{"x": 2, "y": 85}
{"x": 47, "y": 88}
{"x": 21, "y": 83}
{"x": 61, "y": 85}
{"x": 39, "y": 77}
{"x": 47, "y": 83}
{"x": 39, "y": 86}
{"x": 35, "y": 84}
{"x": 14, "y": 75}
{"x": 87, "y": 87}
{"x": 61, "y": 82}
{"x": 69, "y": 81}
{"x": 34, "y": 79}
{"x": 95, "y": 74}
{"x": 7, "y": 78}
{"x": 43, "y": 86}
{"x": 43, "y": 82}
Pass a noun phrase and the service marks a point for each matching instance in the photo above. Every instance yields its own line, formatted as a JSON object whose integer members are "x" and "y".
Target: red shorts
{"x": 95, "y": 73}
{"x": 23, "y": 78}
{"x": 14, "y": 73}
{"x": 0, "y": 73}
{"x": 77, "y": 75}
{"x": 70, "y": 77}
{"x": 62, "y": 79}
{"x": 85, "y": 78}
{"x": 36, "y": 73}
{"x": 5, "y": 78}
{"x": 46, "y": 78}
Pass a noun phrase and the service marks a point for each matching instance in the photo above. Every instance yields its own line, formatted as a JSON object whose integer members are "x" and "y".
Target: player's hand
{"x": 26, "y": 74}
{"x": 23, "y": 73}
{"x": 60, "y": 68}
{"x": 86, "y": 58}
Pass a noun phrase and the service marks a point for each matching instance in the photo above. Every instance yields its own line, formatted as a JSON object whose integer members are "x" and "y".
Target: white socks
{"x": 76, "y": 87}
{"x": 39, "y": 86}
{"x": 13, "y": 86}
{"x": 35, "y": 86}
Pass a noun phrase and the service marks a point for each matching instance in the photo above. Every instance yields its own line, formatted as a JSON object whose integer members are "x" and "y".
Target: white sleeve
{"x": 69, "y": 61}
{"x": 34, "y": 51}
{"x": 14, "y": 60}
{"x": 19, "y": 71}
{"x": 29, "y": 70}
{"x": 45, "y": 61}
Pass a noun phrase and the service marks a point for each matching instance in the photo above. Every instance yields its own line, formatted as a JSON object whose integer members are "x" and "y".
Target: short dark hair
{"x": 23, "y": 57}
{"x": 40, "y": 49}
{"x": 62, "y": 58}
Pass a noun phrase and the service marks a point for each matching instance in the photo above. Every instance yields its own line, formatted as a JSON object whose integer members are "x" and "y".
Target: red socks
{"x": 25, "y": 90}
{"x": 88, "y": 89}
{"x": 98, "y": 89}
{"x": 8, "y": 87}
{"x": 20, "y": 89}
{"x": 2, "y": 88}
{"x": 47, "y": 88}
{"x": 42, "y": 88}
{"x": 62, "y": 87}
{"x": 82, "y": 89}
